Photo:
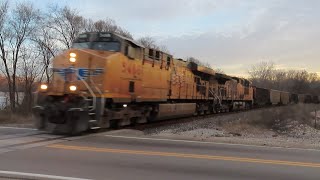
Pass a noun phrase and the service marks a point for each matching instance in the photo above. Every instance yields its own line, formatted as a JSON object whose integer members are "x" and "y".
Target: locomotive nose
{"x": 77, "y": 70}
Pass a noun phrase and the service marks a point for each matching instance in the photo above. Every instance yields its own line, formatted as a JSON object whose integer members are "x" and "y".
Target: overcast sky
{"x": 231, "y": 35}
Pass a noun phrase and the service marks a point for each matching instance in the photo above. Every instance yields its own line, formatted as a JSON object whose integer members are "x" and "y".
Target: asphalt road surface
{"x": 103, "y": 156}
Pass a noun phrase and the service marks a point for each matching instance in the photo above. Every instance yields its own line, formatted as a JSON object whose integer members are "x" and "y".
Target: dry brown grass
{"x": 277, "y": 118}
{"x": 7, "y": 117}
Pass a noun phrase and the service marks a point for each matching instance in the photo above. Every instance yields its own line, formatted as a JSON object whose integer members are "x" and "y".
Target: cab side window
{"x": 126, "y": 50}
{"x": 132, "y": 51}
{"x": 151, "y": 53}
{"x": 157, "y": 55}
{"x": 168, "y": 61}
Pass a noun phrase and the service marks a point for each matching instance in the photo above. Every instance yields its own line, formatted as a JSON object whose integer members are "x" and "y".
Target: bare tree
{"x": 124, "y": 33}
{"x": 89, "y": 25}
{"x": 301, "y": 83}
{"x": 165, "y": 49}
{"x": 262, "y": 74}
{"x": 66, "y": 23}
{"x": 3, "y": 13}
{"x": 47, "y": 47}
{"x": 262, "y": 70}
{"x": 150, "y": 42}
{"x": 279, "y": 79}
{"x": 106, "y": 25}
{"x": 266, "y": 75}
{"x": 29, "y": 71}
{"x": 219, "y": 70}
{"x": 15, "y": 31}
{"x": 4, "y": 34}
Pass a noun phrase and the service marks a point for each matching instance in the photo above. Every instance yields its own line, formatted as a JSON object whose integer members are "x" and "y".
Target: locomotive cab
{"x": 97, "y": 41}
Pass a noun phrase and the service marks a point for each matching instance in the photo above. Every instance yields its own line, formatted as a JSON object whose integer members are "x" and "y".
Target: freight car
{"x": 265, "y": 97}
{"x": 301, "y": 98}
{"x": 294, "y": 98}
{"x": 308, "y": 98}
{"x": 284, "y": 98}
{"x": 315, "y": 99}
{"x": 108, "y": 80}
{"x": 261, "y": 96}
{"x": 275, "y": 97}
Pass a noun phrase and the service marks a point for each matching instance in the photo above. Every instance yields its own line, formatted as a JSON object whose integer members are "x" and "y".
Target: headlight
{"x": 73, "y": 57}
{"x": 72, "y": 88}
{"x": 43, "y": 87}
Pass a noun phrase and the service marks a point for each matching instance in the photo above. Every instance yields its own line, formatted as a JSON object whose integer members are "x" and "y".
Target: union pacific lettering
{"x": 71, "y": 73}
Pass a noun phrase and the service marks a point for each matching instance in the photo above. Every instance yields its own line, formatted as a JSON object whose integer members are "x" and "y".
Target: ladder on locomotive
{"x": 216, "y": 96}
{"x": 92, "y": 102}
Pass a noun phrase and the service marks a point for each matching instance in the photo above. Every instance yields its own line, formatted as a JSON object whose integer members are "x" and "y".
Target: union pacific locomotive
{"x": 108, "y": 80}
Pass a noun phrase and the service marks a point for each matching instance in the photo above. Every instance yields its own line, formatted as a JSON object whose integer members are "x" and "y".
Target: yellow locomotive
{"x": 108, "y": 80}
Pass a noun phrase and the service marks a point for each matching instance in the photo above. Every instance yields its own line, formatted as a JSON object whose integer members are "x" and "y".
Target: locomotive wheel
{"x": 114, "y": 124}
{"x": 39, "y": 122}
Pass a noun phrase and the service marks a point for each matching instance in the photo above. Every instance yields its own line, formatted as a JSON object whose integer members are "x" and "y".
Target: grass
{"x": 276, "y": 118}
{"x": 6, "y": 117}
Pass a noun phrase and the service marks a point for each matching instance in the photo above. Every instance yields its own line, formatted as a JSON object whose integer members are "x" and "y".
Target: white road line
{"x": 205, "y": 142}
{"x": 9, "y": 127}
{"x": 13, "y": 174}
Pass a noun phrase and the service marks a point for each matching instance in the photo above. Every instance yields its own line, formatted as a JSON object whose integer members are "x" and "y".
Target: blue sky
{"x": 229, "y": 34}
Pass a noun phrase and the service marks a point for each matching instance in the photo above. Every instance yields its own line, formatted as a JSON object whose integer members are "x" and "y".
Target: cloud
{"x": 147, "y": 10}
{"x": 229, "y": 34}
{"x": 286, "y": 33}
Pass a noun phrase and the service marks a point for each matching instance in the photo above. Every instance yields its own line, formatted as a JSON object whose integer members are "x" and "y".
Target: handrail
{"x": 214, "y": 94}
{"x": 94, "y": 98}
{"x": 99, "y": 91}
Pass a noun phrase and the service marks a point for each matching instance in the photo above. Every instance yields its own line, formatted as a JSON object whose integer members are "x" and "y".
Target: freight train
{"x": 107, "y": 80}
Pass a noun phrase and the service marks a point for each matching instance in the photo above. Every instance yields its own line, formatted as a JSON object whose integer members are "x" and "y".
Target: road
{"x": 105, "y": 156}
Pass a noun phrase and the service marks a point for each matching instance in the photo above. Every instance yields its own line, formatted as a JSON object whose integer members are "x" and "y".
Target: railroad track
{"x": 156, "y": 124}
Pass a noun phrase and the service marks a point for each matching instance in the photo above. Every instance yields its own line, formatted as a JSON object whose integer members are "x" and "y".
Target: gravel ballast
{"x": 290, "y": 126}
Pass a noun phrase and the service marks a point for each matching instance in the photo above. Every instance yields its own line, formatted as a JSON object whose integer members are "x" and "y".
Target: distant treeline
{"x": 266, "y": 75}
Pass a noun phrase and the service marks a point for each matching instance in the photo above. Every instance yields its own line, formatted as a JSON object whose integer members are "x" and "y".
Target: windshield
{"x": 101, "y": 46}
